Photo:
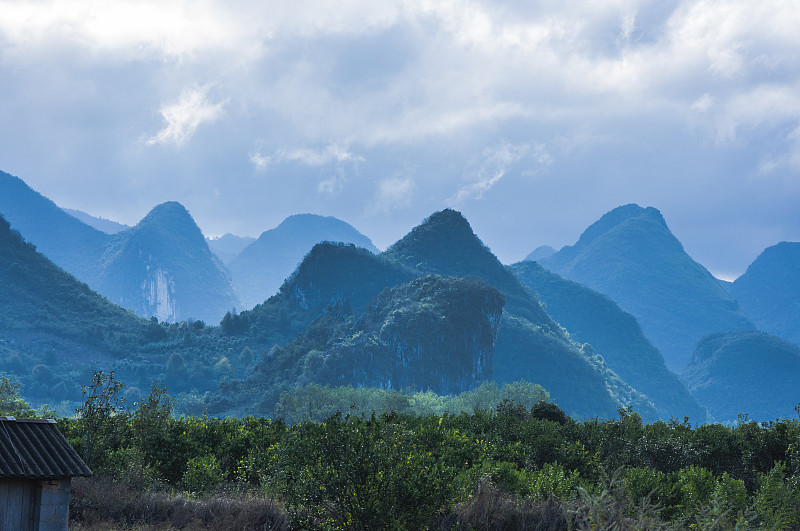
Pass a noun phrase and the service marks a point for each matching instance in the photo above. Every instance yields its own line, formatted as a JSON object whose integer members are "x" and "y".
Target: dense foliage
{"x": 405, "y": 471}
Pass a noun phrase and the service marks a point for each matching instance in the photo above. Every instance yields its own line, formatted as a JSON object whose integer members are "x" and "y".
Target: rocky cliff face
{"x": 158, "y": 295}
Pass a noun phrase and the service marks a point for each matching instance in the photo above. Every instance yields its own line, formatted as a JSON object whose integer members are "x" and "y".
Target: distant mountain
{"x": 101, "y": 224}
{"x": 229, "y": 246}
{"x": 541, "y": 252}
{"x": 591, "y": 317}
{"x": 631, "y": 256}
{"x": 746, "y": 372}
{"x": 62, "y": 238}
{"x": 769, "y": 291}
{"x": 260, "y": 269}
{"x": 53, "y": 328}
{"x": 164, "y": 268}
{"x": 530, "y": 345}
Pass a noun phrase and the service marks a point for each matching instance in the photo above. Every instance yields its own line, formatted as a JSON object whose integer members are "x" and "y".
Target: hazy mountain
{"x": 260, "y": 269}
{"x": 53, "y": 328}
{"x": 543, "y": 251}
{"x": 631, "y": 256}
{"x": 163, "y": 267}
{"x": 228, "y": 246}
{"x": 745, "y": 372}
{"x": 591, "y": 317}
{"x": 68, "y": 242}
{"x": 530, "y": 345}
{"x": 769, "y": 291}
{"x": 101, "y": 224}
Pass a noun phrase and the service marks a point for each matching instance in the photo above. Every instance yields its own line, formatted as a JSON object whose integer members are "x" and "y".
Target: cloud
{"x": 495, "y": 164}
{"x": 185, "y": 115}
{"x": 331, "y": 154}
{"x": 394, "y": 193}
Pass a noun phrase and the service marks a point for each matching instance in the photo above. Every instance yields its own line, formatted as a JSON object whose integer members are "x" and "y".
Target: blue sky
{"x": 532, "y": 118}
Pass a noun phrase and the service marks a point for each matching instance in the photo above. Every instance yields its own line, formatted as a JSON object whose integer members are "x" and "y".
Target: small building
{"x": 37, "y": 465}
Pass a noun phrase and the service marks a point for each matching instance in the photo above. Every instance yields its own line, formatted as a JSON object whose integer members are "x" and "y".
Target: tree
{"x": 11, "y": 403}
{"x": 102, "y": 416}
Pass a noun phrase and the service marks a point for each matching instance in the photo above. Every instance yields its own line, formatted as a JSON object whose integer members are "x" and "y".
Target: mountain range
{"x": 601, "y": 312}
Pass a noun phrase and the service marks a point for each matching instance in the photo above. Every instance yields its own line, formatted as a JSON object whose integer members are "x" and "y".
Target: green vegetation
{"x": 513, "y": 466}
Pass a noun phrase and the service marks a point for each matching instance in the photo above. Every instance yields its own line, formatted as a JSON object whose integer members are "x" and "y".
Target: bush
{"x": 202, "y": 474}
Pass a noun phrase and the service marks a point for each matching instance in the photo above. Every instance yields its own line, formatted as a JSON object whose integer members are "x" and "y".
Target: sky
{"x": 532, "y": 118}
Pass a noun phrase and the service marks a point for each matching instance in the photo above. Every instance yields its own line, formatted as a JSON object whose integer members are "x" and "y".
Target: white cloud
{"x": 394, "y": 193}
{"x": 333, "y": 184}
{"x": 331, "y": 154}
{"x": 185, "y": 115}
{"x": 495, "y": 164}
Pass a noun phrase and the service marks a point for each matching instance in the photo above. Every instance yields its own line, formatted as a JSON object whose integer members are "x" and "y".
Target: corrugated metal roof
{"x": 35, "y": 449}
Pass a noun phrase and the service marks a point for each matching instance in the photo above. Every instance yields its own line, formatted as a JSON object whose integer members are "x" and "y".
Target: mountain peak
{"x": 440, "y": 237}
{"x": 619, "y": 216}
{"x": 171, "y": 210}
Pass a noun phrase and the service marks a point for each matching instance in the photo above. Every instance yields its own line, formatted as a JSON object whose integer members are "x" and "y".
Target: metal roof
{"x": 35, "y": 449}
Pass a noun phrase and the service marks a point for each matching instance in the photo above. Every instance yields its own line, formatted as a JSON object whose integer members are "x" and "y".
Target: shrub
{"x": 202, "y": 474}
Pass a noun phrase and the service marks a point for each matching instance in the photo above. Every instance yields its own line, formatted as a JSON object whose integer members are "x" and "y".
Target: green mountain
{"x": 530, "y": 345}
{"x": 769, "y": 291}
{"x": 432, "y": 333}
{"x": 631, "y": 256}
{"x": 261, "y": 267}
{"x": 163, "y": 267}
{"x": 228, "y": 246}
{"x": 591, "y": 317}
{"x": 745, "y": 372}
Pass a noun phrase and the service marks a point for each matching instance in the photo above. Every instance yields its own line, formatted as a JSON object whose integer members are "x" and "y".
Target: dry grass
{"x": 491, "y": 509}
{"x": 100, "y": 503}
